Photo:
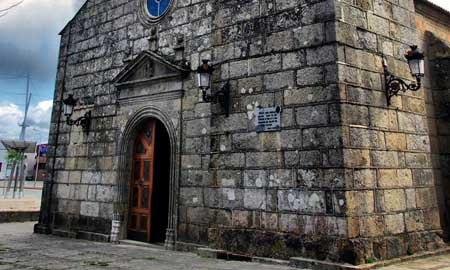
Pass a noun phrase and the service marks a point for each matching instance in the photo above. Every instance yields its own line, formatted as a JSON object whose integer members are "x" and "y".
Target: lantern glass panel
{"x": 68, "y": 109}
{"x": 417, "y": 67}
{"x": 204, "y": 80}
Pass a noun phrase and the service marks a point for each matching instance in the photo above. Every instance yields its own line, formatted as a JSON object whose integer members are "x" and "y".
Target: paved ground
{"x": 434, "y": 263}
{"x": 20, "y": 249}
{"x": 30, "y": 202}
{"x": 31, "y": 189}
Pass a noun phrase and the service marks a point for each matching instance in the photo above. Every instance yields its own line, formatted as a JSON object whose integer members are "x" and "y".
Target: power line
{"x": 12, "y": 6}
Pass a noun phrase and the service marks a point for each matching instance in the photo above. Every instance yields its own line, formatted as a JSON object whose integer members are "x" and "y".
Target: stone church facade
{"x": 347, "y": 178}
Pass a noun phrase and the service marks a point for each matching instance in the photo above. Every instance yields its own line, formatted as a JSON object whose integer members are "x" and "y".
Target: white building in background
{"x": 3, "y": 162}
{"x": 29, "y": 163}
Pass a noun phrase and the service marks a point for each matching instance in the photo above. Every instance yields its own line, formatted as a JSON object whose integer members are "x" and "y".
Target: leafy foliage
{"x": 14, "y": 156}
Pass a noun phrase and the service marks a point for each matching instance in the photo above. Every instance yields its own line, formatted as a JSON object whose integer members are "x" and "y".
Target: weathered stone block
{"x": 364, "y": 178}
{"x": 312, "y": 115}
{"x": 89, "y": 209}
{"x": 309, "y": 35}
{"x": 418, "y": 142}
{"x": 255, "y": 178}
{"x": 356, "y": 158}
{"x": 263, "y": 159}
{"x": 378, "y": 24}
{"x": 394, "y": 223}
{"x": 394, "y": 200}
{"x": 411, "y": 122}
{"x": 414, "y": 221}
{"x": 389, "y": 178}
{"x": 290, "y": 223}
{"x": 74, "y": 177}
{"x": 279, "y": 80}
{"x": 417, "y": 160}
{"x": 323, "y": 137}
{"x": 232, "y": 198}
{"x": 238, "y": 68}
{"x": 372, "y": 226}
{"x": 395, "y": 141}
{"x": 281, "y": 178}
{"x": 255, "y": 199}
{"x": 351, "y": 114}
{"x": 243, "y": 219}
{"x": 302, "y": 201}
{"x": 228, "y": 178}
{"x": 291, "y": 139}
{"x": 191, "y": 196}
{"x": 191, "y": 161}
{"x": 294, "y": 59}
{"x": 366, "y": 138}
{"x": 309, "y": 158}
{"x": 90, "y": 177}
{"x": 359, "y": 202}
{"x": 321, "y": 55}
{"x": 280, "y": 41}
{"x": 105, "y": 193}
{"x": 310, "y": 76}
{"x": 384, "y": 159}
{"x": 307, "y": 95}
{"x": 269, "y": 221}
{"x": 265, "y": 64}
{"x": 426, "y": 198}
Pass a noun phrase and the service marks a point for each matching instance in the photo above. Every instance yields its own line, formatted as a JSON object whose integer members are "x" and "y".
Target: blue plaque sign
{"x": 157, "y": 8}
{"x": 268, "y": 119}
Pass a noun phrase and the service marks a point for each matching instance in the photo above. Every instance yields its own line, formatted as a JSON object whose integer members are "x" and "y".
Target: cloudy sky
{"x": 29, "y": 42}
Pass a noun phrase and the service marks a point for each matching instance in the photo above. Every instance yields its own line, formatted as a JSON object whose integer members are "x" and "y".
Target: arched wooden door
{"x": 139, "y": 222}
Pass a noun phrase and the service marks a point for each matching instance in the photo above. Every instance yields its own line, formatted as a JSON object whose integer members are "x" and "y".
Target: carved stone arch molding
{"x": 124, "y": 171}
{"x": 145, "y": 17}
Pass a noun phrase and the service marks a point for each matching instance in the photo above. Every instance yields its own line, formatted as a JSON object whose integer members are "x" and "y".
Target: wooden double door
{"x": 142, "y": 178}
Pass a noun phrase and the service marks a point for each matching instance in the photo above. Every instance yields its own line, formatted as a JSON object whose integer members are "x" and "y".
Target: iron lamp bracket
{"x": 222, "y": 97}
{"x": 84, "y": 121}
{"x": 394, "y": 85}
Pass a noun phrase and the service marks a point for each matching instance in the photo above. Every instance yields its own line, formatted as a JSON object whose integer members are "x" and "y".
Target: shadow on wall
{"x": 438, "y": 53}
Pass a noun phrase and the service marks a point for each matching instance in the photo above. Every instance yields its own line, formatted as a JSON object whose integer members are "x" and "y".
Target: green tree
{"x": 14, "y": 156}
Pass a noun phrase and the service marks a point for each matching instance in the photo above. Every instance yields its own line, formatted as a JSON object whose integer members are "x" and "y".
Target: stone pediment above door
{"x": 150, "y": 76}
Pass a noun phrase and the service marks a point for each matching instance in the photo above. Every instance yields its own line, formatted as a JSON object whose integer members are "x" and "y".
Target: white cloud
{"x": 38, "y": 119}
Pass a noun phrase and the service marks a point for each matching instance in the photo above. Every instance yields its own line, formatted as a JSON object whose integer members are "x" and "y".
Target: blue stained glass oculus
{"x": 157, "y": 8}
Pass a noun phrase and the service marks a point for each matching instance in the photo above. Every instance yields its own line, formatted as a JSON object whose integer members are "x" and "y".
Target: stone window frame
{"x": 146, "y": 18}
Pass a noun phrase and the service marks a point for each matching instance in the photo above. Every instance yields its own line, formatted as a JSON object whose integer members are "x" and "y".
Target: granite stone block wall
{"x": 392, "y": 202}
{"x": 276, "y": 194}
{"x": 346, "y": 179}
{"x": 434, "y": 37}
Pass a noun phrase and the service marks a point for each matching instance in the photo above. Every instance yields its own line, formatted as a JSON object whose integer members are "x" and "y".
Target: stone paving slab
{"x": 432, "y": 263}
{"x": 19, "y": 204}
{"x": 20, "y": 249}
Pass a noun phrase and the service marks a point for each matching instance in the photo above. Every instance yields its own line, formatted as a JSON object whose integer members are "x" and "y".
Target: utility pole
{"x": 27, "y": 105}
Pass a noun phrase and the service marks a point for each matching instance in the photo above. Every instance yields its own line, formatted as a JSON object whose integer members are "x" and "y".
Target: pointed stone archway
{"x": 122, "y": 204}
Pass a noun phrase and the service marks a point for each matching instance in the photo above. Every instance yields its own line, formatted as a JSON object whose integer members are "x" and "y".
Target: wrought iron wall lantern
{"x": 83, "y": 121}
{"x": 204, "y": 78}
{"x": 394, "y": 85}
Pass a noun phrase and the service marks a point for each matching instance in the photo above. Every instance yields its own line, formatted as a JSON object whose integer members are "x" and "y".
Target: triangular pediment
{"x": 149, "y": 67}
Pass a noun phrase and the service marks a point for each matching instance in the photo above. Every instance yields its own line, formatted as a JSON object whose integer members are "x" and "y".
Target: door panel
{"x": 139, "y": 225}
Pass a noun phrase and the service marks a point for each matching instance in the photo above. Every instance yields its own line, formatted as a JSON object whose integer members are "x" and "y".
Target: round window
{"x": 157, "y": 8}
